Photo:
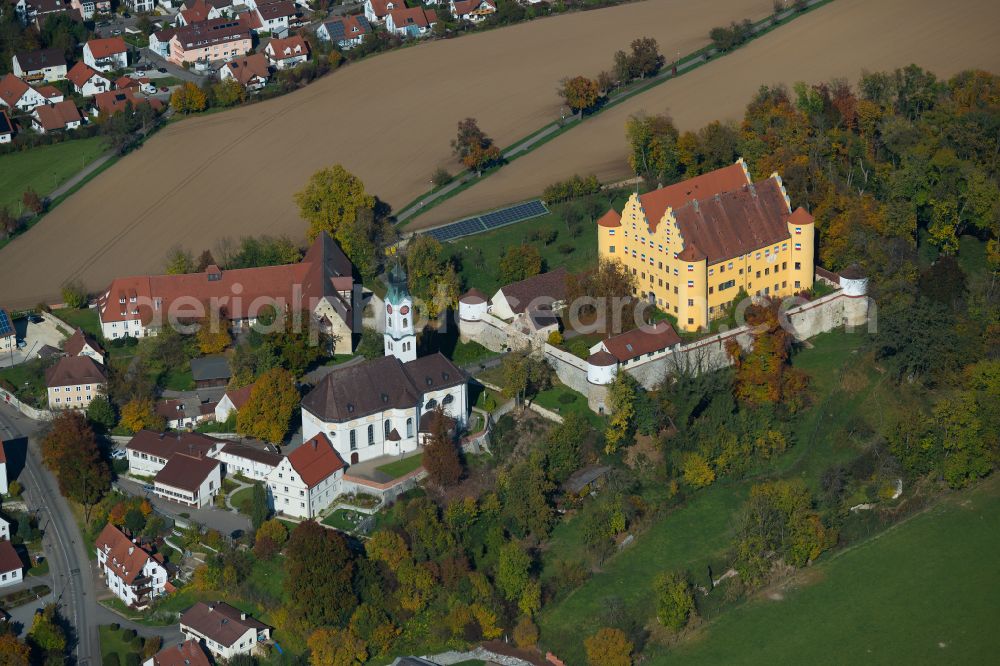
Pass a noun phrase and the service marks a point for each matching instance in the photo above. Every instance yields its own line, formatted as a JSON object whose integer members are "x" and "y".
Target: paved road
{"x": 72, "y": 575}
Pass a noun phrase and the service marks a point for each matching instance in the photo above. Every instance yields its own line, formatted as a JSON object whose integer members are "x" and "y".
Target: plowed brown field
{"x": 388, "y": 119}
{"x": 838, "y": 40}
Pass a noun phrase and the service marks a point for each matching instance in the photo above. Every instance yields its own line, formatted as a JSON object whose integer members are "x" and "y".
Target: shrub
{"x": 555, "y": 338}
{"x": 441, "y": 177}
{"x": 74, "y": 294}
{"x": 525, "y": 633}
{"x": 111, "y": 659}
{"x": 674, "y": 600}
{"x": 133, "y": 659}
{"x": 14, "y": 489}
{"x": 115, "y": 626}
{"x": 573, "y": 188}
{"x": 130, "y": 634}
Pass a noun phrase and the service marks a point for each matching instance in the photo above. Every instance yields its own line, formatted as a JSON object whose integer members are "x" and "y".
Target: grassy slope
{"x": 698, "y": 534}
{"x": 44, "y": 168}
{"x": 924, "y": 591}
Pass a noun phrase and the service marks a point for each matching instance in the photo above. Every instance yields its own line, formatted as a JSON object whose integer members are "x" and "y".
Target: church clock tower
{"x": 400, "y": 340}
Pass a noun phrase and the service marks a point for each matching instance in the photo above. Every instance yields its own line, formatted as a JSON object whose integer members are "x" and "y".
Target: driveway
{"x": 36, "y": 336}
{"x": 222, "y": 520}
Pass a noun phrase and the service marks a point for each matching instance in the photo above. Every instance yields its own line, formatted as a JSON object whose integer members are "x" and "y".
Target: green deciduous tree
{"x": 520, "y": 262}
{"x": 473, "y": 147}
{"x": 609, "y": 647}
{"x": 674, "y": 600}
{"x": 259, "y": 509}
{"x": 320, "y": 568}
{"x": 652, "y": 146}
{"x": 101, "y": 413}
{"x": 621, "y": 400}
{"x": 332, "y": 198}
{"x": 513, "y": 570}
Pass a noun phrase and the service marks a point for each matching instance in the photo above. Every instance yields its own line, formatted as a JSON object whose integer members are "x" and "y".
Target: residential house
{"x": 6, "y": 136}
{"x": 11, "y": 566}
{"x": 250, "y": 72}
{"x": 288, "y": 52}
{"x": 43, "y": 64}
{"x": 132, "y": 573}
{"x": 8, "y": 334}
{"x": 114, "y": 101}
{"x": 140, "y": 6}
{"x": 18, "y": 95}
{"x": 474, "y": 11}
{"x": 56, "y": 117}
{"x": 142, "y": 84}
{"x": 185, "y": 412}
{"x": 196, "y": 11}
{"x": 87, "y": 81}
{"x": 189, "y": 479}
{"x": 345, "y": 31}
{"x": 307, "y": 480}
{"x": 252, "y": 462}
{"x": 41, "y": 10}
{"x": 231, "y": 402}
{"x": 275, "y": 17}
{"x": 322, "y": 284}
{"x": 89, "y": 8}
{"x": 695, "y": 244}
{"x": 106, "y": 55}
{"x": 377, "y": 11}
{"x": 74, "y": 381}
{"x": 543, "y": 292}
{"x": 213, "y": 40}
{"x": 209, "y": 371}
{"x": 188, "y": 653}
{"x": 159, "y": 41}
{"x": 224, "y": 630}
{"x": 631, "y": 346}
{"x": 81, "y": 344}
{"x": 412, "y": 22}
{"x": 148, "y": 452}
{"x": 4, "y": 525}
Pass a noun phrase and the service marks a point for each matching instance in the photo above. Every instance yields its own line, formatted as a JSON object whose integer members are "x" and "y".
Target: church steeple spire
{"x": 400, "y": 339}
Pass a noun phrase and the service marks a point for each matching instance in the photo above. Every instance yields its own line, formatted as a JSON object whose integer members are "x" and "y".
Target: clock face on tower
{"x": 388, "y": 308}
{"x": 404, "y": 310}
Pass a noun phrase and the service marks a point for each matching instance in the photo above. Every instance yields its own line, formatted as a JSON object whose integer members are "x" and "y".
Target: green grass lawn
{"x": 114, "y": 642}
{"x": 563, "y": 400}
{"x": 340, "y": 519}
{"x": 479, "y": 256}
{"x": 86, "y": 318}
{"x": 242, "y": 499}
{"x": 923, "y": 592}
{"x": 177, "y": 378}
{"x": 699, "y": 534}
{"x": 44, "y": 168}
{"x": 466, "y": 353}
{"x": 27, "y": 380}
{"x": 399, "y": 468}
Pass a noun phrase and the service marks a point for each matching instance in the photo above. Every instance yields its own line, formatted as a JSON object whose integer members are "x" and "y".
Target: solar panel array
{"x": 5, "y": 326}
{"x": 489, "y": 221}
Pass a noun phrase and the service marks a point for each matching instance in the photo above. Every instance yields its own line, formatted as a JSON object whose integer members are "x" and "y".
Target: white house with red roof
{"x": 322, "y": 284}
{"x": 87, "y": 81}
{"x": 3, "y": 487}
{"x": 16, "y": 94}
{"x": 11, "y": 566}
{"x": 344, "y": 31}
{"x": 133, "y": 574}
{"x": 411, "y": 22}
{"x": 251, "y": 72}
{"x": 376, "y": 11}
{"x": 56, "y": 117}
{"x": 274, "y": 17}
{"x": 231, "y": 402}
{"x": 197, "y": 11}
{"x": 106, "y": 55}
{"x": 287, "y": 52}
{"x": 307, "y": 480}
{"x": 474, "y": 11}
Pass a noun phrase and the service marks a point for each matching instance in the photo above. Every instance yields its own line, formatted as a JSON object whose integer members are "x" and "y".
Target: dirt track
{"x": 388, "y": 119}
{"x": 944, "y": 37}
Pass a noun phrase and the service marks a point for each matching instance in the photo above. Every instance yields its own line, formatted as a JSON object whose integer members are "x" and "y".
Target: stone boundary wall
{"x": 387, "y": 491}
{"x": 37, "y": 414}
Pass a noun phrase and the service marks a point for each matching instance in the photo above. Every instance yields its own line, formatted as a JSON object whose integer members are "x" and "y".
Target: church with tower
{"x": 384, "y": 406}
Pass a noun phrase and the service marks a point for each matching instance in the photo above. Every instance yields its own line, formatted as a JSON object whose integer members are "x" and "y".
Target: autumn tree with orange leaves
{"x": 764, "y": 375}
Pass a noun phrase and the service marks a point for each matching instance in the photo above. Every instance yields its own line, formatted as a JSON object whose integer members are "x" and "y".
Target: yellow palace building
{"x": 694, "y": 244}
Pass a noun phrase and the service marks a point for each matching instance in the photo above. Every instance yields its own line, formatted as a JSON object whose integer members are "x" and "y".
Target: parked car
{"x": 21, "y": 344}
{"x": 164, "y": 89}
{"x": 161, "y": 70}
{"x": 125, "y": 15}
{"x": 117, "y": 454}
{"x": 116, "y": 32}
{"x": 35, "y": 319}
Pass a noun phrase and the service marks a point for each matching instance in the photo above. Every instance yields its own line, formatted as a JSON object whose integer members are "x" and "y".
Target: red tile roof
{"x": 381, "y": 7}
{"x": 800, "y": 217}
{"x": 644, "y": 340}
{"x": 602, "y": 358}
{"x": 57, "y": 116}
{"x": 213, "y": 31}
{"x": 655, "y": 203}
{"x": 73, "y": 370}
{"x": 289, "y": 47}
{"x": 124, "y": 558}
{"x": 610, "y": 219}
{"x": 324, "y": 271}
{"x": 734, "y": 223}
{"x": 9, "y": 559}
{"x": 315, "y": 460}
{"x": 188, "y": 653}
{"x": 112, "y": 101}
{"x": 49, "y": 92}
{"x": 463, "y": 7}
{"x": 81, "y": 73}
{"x": 473, "y": 297}
{"x": 273, "y": 10}
{"x": 3, "y": 452}
{"x": 12, "y": 89}
{"x": 402, "y": 18}
{"x": 102, "y": 48}
{"x": 185, "y": 471}
{"x": 246, "y": 70}
{"x": 195, "y": 12}
{"x": 240, "y": 396}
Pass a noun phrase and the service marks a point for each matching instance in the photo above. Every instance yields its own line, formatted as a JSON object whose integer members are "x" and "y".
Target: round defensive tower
{"x": 601, "y": 368}
{"x": 854, "y": 284}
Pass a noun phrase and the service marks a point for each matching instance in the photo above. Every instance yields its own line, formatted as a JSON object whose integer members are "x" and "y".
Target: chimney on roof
{"x": 753, "y": 190}
{"x": 695, "y": 203}
{"x": 131, "y": 549}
